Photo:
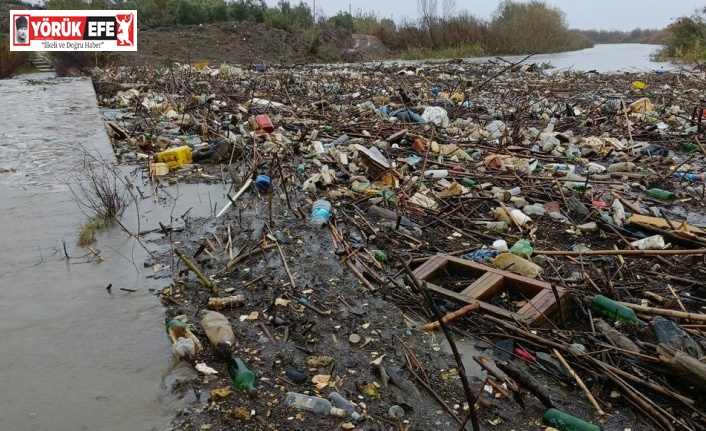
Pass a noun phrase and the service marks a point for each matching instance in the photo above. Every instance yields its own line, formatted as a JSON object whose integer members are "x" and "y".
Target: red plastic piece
{"x": 264, "y": 123}
{"x": 524, "y": 354}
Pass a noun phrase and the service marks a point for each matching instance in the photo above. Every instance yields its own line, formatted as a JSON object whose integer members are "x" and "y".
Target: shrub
{"x": 10, "y": 61}
{"x": 534, "y": 27}
{"x": 686, "y": 39}
{"x": 71, "y": 63}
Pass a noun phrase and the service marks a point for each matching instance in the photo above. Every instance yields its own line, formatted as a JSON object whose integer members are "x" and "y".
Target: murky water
{"x": 630, "y": 57}
{"x": 75, "y": 357}
{"x": 619, "y": 57}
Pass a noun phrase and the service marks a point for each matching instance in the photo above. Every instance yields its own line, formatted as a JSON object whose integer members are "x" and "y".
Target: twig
{"x": 284, "y": 260}
{"x": 579, "y": 382}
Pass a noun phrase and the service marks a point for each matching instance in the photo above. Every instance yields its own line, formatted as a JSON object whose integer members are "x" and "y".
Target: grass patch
{"x": 29, "y": 68}
{"x": 417, "y": 53}
{"x": 88, "y": 230}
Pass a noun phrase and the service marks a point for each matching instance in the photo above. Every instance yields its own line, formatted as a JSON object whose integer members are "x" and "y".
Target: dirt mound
{"x": 244, "y": 42}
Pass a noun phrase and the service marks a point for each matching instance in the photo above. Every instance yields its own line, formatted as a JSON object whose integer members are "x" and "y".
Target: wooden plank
{"x": 429, "y": 268}
{"x": 521, "y": 282}
{"x": 542, "y": 303}
{"x": 489, "y": 284}
{"x": 489, "y": 308}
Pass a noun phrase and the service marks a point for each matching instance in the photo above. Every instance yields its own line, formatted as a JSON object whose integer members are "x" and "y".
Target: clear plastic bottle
{"x": 316, "y": 405}
{"x": 218, "y": 330}
{"x": 320, "y": 213}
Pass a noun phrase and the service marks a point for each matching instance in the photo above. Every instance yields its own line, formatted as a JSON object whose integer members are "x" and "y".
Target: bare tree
{"x": 428, "y": 10}
{"x": 448, "y": 13}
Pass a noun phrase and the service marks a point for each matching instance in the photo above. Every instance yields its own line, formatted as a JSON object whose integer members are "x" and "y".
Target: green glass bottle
{"x": 689, "y": 147}
{"x": 612, "y": 310}
{"x": 243, "y": 378}
{"x": 661, "y": 194}
{"x": 468, "y": 182}
{"x": 565, "y": 422}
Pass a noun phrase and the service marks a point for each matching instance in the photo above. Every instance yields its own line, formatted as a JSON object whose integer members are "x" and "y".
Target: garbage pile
{"x": 556, "y": 220}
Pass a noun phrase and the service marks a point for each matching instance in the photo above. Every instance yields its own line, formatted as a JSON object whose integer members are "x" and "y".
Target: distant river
{"x": 630, "y": 57}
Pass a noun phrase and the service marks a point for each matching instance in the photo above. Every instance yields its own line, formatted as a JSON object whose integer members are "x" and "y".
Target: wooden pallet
{"x": 541, "y": 305}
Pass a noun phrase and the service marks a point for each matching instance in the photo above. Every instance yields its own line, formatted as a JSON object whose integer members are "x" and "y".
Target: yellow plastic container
{"x": 175, "y": 157}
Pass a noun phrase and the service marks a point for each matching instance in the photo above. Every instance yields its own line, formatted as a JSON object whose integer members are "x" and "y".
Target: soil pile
{"x": 244, "y": 42}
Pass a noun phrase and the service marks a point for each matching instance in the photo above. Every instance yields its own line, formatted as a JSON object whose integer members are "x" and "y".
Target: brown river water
{"x": 73, "y": 356}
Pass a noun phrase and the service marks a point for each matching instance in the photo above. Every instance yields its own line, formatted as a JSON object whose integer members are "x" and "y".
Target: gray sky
{"x": 581, "y": 14}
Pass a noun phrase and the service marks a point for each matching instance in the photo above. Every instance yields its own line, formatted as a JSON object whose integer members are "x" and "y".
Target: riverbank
{"x": 494, "y": 167}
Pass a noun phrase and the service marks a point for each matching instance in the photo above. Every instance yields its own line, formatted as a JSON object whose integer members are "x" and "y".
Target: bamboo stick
{"x": 699, "y": 251}
{"x": 579, "y": 382}
{"x": 664, "y": 312}
{"x": 206, "y": 282}
{"x": 449, "y": 317}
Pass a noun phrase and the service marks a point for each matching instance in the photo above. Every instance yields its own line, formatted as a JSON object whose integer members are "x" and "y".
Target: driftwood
{"x": 683, "y": 365}
{"x": 524, "y": 379}
{"x": 449, "y": 317}
{"x": 241, "y": 257}
{"x": 664, "y": 312}
{"x": 615, "y": 336}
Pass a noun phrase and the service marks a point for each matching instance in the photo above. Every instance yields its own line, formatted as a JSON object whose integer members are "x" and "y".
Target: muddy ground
{"x": 344, "y": 307}
{"x": 246, "y": 42}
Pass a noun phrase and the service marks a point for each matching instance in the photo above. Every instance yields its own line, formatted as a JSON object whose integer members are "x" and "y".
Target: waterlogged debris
{"x": 559, "y": 186}
{"x": 513, "y": 263}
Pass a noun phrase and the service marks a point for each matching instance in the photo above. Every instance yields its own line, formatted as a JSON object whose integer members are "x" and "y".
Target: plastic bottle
{"x": 618, "y": 212}
{"x": 468, "y": 182}
{"x": 436, "y": 173}
{"x": 218, "y": 330}
{"x": 339, "y": 141}
{"x": 320, "y": 213}
{"x": 243, "y": 378}
{"x": 622, "y": 167}
{"x": 342, "y": 403}
{"x": 262, "y": 183}
{"x": 690, "y": 177}
{"x": 184, "y": 349}
{"x": 565, "y": 422}
{"x": 316, "y": 405}
{"x": 264, "y": 123}
{"x": 661, "y": 194}
{"x": 612, "y": 310}
{"x": 185, "y": 344}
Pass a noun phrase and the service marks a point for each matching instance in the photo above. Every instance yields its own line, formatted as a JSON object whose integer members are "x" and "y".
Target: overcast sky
{"x": 581, "y": 14}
